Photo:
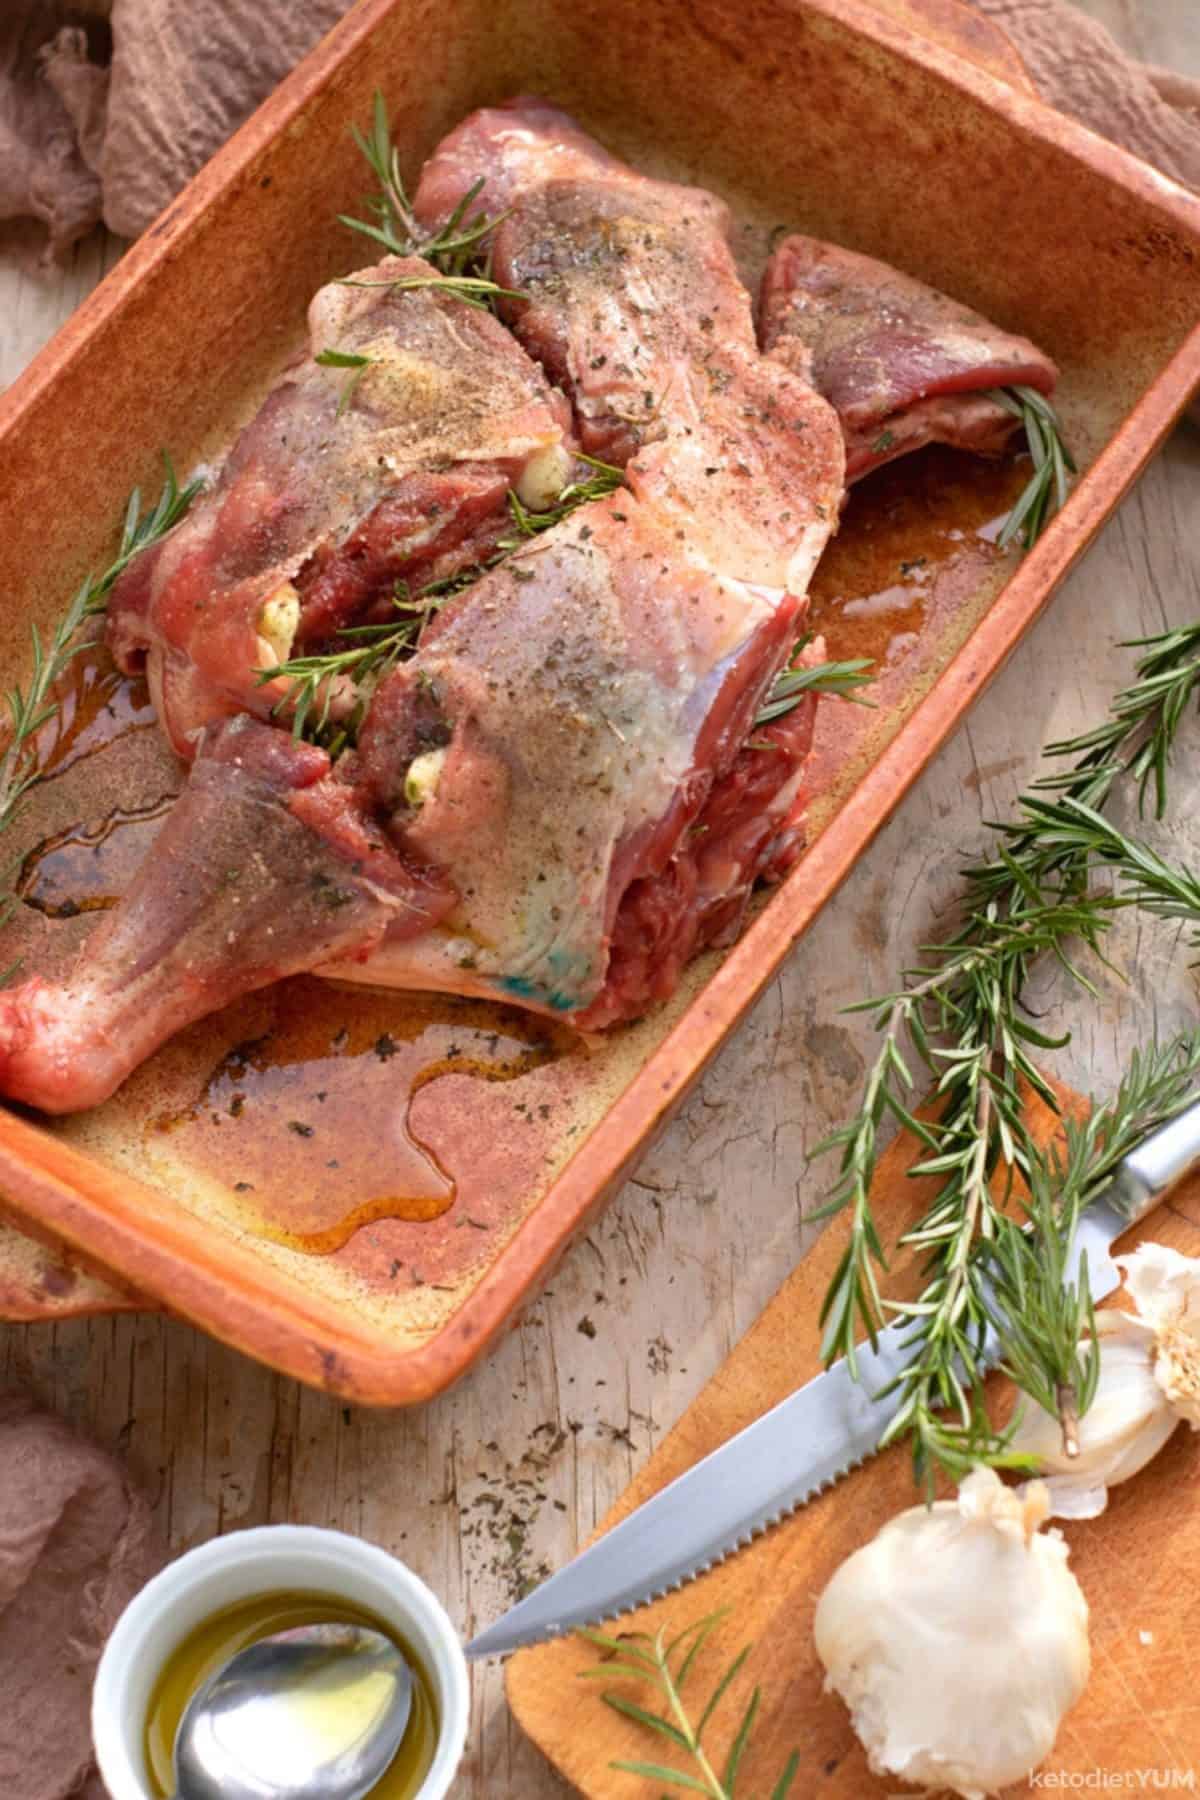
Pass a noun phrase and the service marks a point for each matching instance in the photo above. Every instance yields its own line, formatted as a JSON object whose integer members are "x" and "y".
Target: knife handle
{"x": 1159, "y": 1163}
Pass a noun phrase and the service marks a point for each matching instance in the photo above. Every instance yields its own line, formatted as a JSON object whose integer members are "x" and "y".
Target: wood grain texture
{"x": 509, "y": 1474}
{"x": 1140, "y": 1710}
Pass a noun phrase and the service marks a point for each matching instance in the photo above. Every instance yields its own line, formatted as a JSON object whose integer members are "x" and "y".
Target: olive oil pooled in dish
{"x": 220, "y": 1637}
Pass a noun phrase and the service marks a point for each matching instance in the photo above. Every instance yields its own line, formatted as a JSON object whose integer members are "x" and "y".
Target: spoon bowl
{"x": 317, "y": 1713}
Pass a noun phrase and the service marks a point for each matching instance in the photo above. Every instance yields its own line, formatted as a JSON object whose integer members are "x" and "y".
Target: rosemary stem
{"x": 1068, "y": 1412}
{"x": 716, "y": 1788}
{"x": 976, "y": 1187}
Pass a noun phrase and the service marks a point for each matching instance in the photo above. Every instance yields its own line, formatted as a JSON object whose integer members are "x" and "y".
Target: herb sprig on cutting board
{"x": 957, "y": 1018}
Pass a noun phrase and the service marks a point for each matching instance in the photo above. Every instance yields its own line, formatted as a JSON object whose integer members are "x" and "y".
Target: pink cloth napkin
{"x": 108, "y": 106}
{"x": 76, "y": 1544}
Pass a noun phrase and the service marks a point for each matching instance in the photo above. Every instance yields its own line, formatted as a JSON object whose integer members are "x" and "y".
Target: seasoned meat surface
{"x": 578, "y": 750}
{"x": 635, "y": 308}
{"x": 563, "y": 793}
{"x": 902, "y": 365}
{"x": 554, "y": 739}
{"x": 349, "y": 478}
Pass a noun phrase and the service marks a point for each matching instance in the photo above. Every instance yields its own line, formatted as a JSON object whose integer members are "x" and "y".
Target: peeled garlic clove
{"x": 278, "y": 621}
{"x": 544, "y": 477}
{"x": 1126, "y": 1425}
{"x": 958, "y": 1639}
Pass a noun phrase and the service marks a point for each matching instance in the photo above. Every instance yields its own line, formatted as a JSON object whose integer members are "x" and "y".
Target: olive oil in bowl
{"x": 210, "y": 1646}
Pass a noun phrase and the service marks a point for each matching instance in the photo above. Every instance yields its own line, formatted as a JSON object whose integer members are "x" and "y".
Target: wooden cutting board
{"x": 1139, "y": 1566}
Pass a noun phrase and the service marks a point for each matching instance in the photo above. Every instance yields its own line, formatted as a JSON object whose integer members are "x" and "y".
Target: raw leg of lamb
{"x": 563, "y": 793}
{"x": 902, "y": 365}
{"x": 736, "y": 471}
{"x": 349, "y": 478}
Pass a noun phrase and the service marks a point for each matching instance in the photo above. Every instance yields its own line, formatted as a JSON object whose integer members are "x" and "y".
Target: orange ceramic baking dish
{"x": 827, "y": 115}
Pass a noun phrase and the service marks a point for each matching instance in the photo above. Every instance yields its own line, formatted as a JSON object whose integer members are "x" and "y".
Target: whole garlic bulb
{"x": 958, "y": 1639}
{"x": 1149, "y": 1382}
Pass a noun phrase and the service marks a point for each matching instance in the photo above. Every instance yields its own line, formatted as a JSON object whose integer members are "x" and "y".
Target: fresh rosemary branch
{"x": 1139, "y": 734}
{"x": 666, "y": 1665}
{"x": 960, "y": 1013}
{"x": 1046, "y": 490}
{"x": 33, "y": 707}
{"x": 475, "y": 290}
{"x": 456, "y": 251}
{"x": 1015, "y": 1284}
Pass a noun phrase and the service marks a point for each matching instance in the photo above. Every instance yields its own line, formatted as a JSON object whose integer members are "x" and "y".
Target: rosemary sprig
{"x": 33, "y": 707}
{"x": 792, "y": 683}
{"x": 1047, "y": 488}
{"x": 1046, "y": 1319}
{"x": 666, "y": 1664}
{"x": 1016, "y": 1284}
{"x": 959, "y": 1014}
{"x": 475, "y": 290}
{"x": 314, "y": 679}
{"x": 456, "y": 251}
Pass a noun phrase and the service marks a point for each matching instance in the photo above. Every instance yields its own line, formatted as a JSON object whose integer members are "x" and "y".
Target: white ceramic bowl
{"x": 270, "y": 1560}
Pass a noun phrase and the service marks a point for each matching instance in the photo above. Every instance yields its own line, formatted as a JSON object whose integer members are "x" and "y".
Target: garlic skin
{"x": 1149, "y": 1382}
{"x": 958, "y": 1639}
{"x": 1165, "y": 1288}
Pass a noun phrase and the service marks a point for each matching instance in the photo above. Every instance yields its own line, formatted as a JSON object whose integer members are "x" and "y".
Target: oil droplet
{"x": 310, "y": 1124}
{"x": 88, "y": 867}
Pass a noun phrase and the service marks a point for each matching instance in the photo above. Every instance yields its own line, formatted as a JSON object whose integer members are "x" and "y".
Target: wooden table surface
{"x": 504, "y": 1477}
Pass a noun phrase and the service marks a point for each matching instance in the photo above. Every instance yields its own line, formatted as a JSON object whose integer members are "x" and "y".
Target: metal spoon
{"x": 316, "y": 1713}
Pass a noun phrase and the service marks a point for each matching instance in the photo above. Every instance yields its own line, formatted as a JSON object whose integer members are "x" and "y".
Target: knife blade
{"x": 803, "y": 1445}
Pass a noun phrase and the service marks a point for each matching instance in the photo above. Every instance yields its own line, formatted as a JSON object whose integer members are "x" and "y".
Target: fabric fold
{"x": 76, "y": 1543}
{"x": 109, "y": 117}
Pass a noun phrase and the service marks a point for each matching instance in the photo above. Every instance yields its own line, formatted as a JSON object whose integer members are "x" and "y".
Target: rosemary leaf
{"x": 650, "y": 1720}
{"x": 783, "y": 1786}
{"x": 737, "y": 1749}
{"x": 1046, "y": 490}
{"x": 673, "y": 1777}
{"x": 718, "y": 1693}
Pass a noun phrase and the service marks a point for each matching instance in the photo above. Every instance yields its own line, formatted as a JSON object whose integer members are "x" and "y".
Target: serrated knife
{"x": 801, "y": 1446}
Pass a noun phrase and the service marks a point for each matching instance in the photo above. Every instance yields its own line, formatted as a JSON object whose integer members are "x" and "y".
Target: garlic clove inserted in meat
{"x": 1149, "y": 1382}
{"x": 958, "y": 1639}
